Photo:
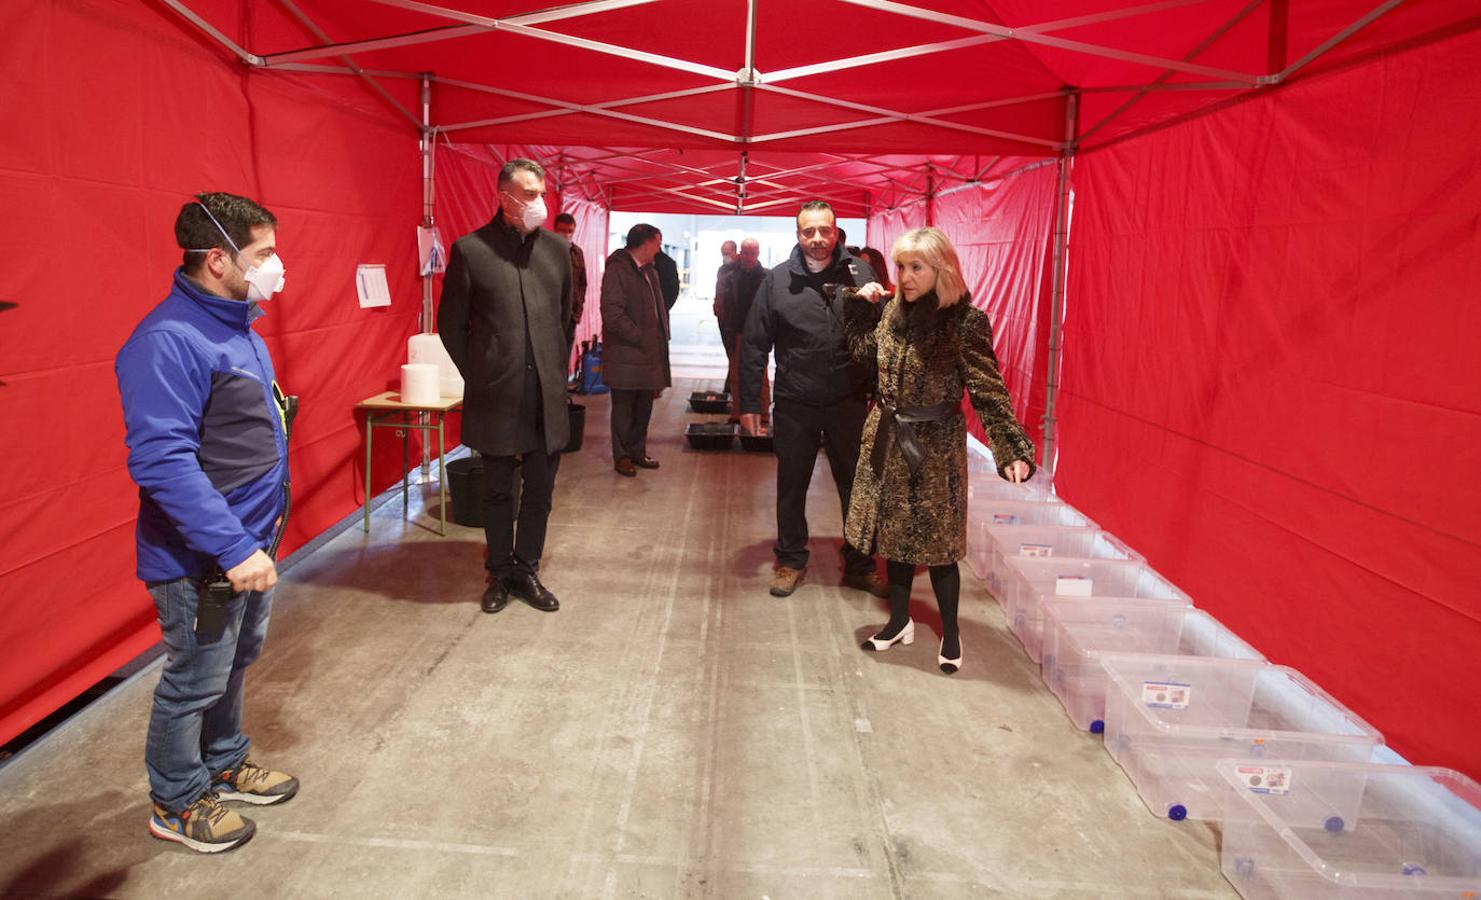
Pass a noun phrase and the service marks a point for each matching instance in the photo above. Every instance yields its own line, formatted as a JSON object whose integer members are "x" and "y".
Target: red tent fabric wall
{"x": 1002, "y": 231}
{"x": 126, "y": 114}
{"x": 1271, "y": 378}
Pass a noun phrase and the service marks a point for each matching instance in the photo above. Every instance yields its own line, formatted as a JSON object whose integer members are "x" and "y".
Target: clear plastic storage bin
{"x": 1314, "y": 830}
{"x": 1046, "y": 542}
{"x": 1028, "y": 581}
{"x": 989, "y": 485}
{"x": 986, "y": 514}
{"x": 1170, "y": 718}
{"x": 1078, "y": 632}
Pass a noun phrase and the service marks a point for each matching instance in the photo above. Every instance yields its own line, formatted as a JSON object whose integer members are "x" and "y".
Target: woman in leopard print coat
{"x": 909, "y": 500}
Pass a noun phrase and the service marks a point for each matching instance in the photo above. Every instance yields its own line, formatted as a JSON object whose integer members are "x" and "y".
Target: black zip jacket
{"x": 791, "y": 316}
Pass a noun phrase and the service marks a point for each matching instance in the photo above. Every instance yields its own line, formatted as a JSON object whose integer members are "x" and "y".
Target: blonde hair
{"x": 935, "y": 250}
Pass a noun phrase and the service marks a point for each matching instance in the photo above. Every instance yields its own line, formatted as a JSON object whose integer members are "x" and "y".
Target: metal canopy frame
{"x": 762, "y": 186}
{"x": 857, "y": 184}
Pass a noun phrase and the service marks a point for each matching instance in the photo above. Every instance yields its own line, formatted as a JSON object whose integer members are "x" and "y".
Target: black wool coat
{"x": 635, "y": 327}
{"x": 498, "y": 283}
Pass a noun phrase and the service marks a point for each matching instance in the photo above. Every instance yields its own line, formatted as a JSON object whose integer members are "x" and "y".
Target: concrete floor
{"x": 673, "y": 731}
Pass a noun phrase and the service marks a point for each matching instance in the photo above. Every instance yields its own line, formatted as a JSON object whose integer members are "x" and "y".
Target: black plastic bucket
{"x": 578, "y": 427}
{"x": 465, "y": 483}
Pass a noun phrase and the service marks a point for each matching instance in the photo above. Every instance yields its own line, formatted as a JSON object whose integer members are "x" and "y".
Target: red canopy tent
{"x": 1274, "y": 204}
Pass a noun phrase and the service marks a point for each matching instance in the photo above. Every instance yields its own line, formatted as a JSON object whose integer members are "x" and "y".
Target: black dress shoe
{"x": 495, "y": 598}
{"x": 528, "y": 588}
{"x": 646, "y": 462}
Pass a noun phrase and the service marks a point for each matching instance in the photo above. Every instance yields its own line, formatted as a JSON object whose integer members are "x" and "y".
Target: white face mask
{"x": 265, "y": 280}
{"x": 531, "y": 215}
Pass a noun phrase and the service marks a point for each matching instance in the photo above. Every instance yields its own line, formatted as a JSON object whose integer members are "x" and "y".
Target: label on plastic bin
{"x": 1004, "y": 519}
{"x": 1040, "y": 550}
{"x": 1266, "y": 779}
{"x": 1072, "y": 586}
{"x": 1166, "y": 694}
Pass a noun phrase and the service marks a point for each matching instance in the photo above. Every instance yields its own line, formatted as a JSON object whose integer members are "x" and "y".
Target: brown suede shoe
{"x": 785, "y": 580}
{"x": 626, "y": 468}
{"x": 868, "y": 581}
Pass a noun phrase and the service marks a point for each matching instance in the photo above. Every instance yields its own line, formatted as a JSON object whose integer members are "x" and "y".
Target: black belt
{"x": 899, "y": 425}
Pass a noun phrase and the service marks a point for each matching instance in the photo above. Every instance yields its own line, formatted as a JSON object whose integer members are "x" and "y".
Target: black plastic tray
{"x": 711, "y": 435}
{"x": 710, "y": 402}
{"x": 757, "y": 443}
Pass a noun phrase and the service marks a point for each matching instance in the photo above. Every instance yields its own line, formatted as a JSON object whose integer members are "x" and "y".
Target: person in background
{"x": 877, "y": 263}
{"x": 745, "y": 282}
{"x": 910, "y": 492}
{"x": 821, "y": 396}
{"x": 727, "y": 268}
{"x": 635, "y": 342}
{"x": 206, "y": 431}
{"x": 505, "y": 306}
{"x": 668, "y": 275}
{"x": 565, "y": 226}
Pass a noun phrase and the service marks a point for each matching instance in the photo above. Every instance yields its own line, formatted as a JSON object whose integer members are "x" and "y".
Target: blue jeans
{"x": 195, "y": 727}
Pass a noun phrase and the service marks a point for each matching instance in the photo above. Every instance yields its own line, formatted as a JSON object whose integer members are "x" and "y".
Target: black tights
{"x": 946, "y": 581}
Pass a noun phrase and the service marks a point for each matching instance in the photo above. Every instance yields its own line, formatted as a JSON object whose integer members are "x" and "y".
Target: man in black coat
{"x": 505, "y": 303}
{"x": 821, "y": 396}
{"x": 635, "y": 346}
{"x": 668, "y": 275}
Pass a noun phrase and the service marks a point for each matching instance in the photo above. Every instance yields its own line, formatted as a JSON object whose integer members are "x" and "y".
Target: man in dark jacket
{"x": 668, "y": 275}
{"x": 723, "y": 276}
{"x": 745, "y": 281}
{"x": 565, "y": 226}
{"x": 635, "y": 346}
{"x": 821, "y": 397}
{"x": 209, "y": 450}
{"x": 505, "y": 303}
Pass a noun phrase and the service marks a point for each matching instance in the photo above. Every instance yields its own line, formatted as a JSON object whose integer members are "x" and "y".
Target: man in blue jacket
{"x": 208, "y": 448}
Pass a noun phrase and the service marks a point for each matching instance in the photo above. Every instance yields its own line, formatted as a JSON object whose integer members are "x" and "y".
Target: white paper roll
{"x": 428, "y": 348}
{"x": 419, "y": 383}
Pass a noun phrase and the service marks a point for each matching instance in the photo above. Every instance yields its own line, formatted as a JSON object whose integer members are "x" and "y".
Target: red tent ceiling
{"x": 719, "y": 105}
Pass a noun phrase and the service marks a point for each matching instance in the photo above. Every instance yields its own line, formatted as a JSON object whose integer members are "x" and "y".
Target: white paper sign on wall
{"x": 370, "y": 285}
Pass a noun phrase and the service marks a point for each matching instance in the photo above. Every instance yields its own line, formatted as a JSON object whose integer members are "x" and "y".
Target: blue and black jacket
{"x": 206, "y": 437}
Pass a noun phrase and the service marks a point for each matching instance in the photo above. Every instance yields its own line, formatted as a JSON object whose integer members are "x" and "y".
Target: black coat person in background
{"x": 821, "y": 395}
{"x": 728, "y": 265}
{"x": 635, "y": 346}
{"x": 744, "y": 282}
{"x": 506, "y": 300}
{"x": 565, "y": 226}
{"x": 668, "y": 275}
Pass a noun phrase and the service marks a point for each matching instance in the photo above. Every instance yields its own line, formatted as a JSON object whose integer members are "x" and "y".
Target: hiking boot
{"x": 204, "y": 826}
{"x": 784, "y": 580}
{"x": 868, "y": 581}
{"x": 249, "y": 783}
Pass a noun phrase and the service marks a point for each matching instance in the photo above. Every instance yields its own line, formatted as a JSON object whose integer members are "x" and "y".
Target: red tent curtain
{"x": 91, "y": 250}
{"x": 1271, "y": 379}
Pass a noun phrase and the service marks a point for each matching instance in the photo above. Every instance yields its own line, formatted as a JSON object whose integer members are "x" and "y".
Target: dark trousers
{"x": 517, "y": 545}
{"x": 631, "y": 411}
{"x": 799, "y": 429}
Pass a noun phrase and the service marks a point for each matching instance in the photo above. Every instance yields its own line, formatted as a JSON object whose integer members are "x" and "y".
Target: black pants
{"x": 517, "y": 546}
{"x": 799, "y": 429}
{"x": 631, "y": 411}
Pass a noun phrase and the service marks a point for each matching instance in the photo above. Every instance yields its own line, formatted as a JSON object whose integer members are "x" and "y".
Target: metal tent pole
{"x": 428, "y": 145}
{"x": 1061, "y": 258}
